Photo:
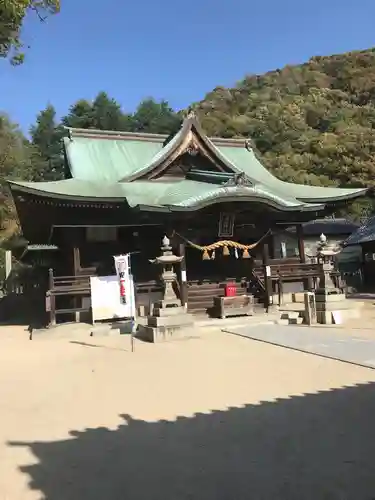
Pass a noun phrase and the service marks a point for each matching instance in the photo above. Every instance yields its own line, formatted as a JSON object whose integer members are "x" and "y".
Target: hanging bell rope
{"x": 225, "y": 245}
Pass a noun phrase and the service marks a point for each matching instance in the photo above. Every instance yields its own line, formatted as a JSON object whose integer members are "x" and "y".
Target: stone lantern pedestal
{"x": 169, "y": 318}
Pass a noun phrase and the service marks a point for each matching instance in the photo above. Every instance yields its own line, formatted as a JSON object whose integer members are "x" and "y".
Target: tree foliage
{"x": 15, "y": 164}
{"x": 12, "y": 15}
{"x": 312, "y": 123}
{"x": 155, "y": 117}
{"x": 47, "y": 155}
{"x": 103, "y": 113}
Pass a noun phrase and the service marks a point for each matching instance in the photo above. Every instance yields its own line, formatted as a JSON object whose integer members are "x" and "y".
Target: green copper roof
{"x": 108, "y": 160}
{"x": 115, "y": 166}
{"x": 175, "y": 195}
{"x": 112, "y": 160}
{"x": 247, "y": 162}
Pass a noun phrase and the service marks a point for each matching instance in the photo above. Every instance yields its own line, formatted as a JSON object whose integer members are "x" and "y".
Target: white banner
{"x": 122, "y": 271}
{"x": 113, "y": 297}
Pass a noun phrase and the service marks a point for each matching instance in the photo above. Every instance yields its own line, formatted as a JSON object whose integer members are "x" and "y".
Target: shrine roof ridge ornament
{"x": 239, "y": 180}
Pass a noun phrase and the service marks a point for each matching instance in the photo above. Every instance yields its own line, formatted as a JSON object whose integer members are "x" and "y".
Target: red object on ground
{"x": 230, "y": 290}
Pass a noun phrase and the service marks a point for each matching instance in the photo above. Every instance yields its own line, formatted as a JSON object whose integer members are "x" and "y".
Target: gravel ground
{"x": 218, "y": 418}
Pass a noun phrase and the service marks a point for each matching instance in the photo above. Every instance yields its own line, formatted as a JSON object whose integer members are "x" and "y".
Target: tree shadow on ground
{"x": 310, "y": 447}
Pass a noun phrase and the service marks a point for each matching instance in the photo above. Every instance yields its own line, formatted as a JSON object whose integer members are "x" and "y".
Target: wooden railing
{"x": 75, "y": 287}
{"x": 288, "y": 272}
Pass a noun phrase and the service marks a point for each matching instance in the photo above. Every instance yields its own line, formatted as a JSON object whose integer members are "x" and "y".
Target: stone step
{"x": 290, "y": 321}
{"x": 168, "y": 311}
{"x": 291, "y": 314}
{"x": 107, "y": 329}
{"x": 184, "y": 319}
{"x": 291, "y": 317}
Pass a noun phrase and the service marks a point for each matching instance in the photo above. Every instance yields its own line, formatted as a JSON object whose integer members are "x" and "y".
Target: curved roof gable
{"x": 191, "y": 139}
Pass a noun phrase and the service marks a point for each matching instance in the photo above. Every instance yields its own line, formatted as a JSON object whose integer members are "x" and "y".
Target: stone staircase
{"x": 291, "y": 318}
{"x": 350, "y": 310}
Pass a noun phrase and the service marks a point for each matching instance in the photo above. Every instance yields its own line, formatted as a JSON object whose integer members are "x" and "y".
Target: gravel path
{"x": 215, "y": 418}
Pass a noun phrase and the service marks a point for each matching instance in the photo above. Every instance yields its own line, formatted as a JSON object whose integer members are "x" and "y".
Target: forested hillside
{"x": 311, "y": 123}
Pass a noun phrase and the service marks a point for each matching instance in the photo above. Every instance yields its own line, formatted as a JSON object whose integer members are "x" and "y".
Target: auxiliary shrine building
{"x": 221, "y": 208}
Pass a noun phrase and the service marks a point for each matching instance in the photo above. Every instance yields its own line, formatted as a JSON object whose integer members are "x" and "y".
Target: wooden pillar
{"x": 52, "y": 299}
{"x": 271, "y": 243}
{"x": 267, "y": 276}
{"x": 76, "y": 261}
{"x": 77, "y": 301}
{"x": 183, "y": 277}
{"x": 301, "y": 243}
{"x": 308, "y": 282}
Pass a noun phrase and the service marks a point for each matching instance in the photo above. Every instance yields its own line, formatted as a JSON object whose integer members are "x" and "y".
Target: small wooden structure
{"x": 220, "y": 207}
{"x": 241, "y": 305}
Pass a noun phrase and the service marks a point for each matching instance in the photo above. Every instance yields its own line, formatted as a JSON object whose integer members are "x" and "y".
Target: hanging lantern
{"x": 245, "y": 254}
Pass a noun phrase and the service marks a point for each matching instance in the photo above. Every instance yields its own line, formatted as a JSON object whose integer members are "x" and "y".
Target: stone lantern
{"x": 169, "y": 319}
{"x": 168, "y": 276}
{"x": 325, "y": 256}
{"x": 332, "y": 306}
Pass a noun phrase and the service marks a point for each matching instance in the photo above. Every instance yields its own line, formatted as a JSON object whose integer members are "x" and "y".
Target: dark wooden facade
{"x": 79, "y": 256}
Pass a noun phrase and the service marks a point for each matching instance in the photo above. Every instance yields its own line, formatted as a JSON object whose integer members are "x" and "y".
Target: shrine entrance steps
{"x": 200, "y": 296}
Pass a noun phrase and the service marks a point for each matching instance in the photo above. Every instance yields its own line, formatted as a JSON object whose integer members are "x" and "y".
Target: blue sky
{"x": 171, "y": 49}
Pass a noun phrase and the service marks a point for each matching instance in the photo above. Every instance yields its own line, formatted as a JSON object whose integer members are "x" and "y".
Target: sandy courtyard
{"x": 217, "y": 418}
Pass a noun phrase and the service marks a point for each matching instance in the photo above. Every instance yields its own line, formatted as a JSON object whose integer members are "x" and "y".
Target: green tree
{"x": 15, "y": 164}
{"x": 46, "y": 137}
{"x": 104, "y": 113}
{"x": 12, "y": 15}
{"x": 154, "y": 117}
{"x": 80, "y": 115}
{"x": 107, "y": 114}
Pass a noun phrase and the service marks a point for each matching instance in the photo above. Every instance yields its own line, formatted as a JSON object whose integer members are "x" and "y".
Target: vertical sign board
{"x": 126, "y": 287}
{"x": 112, "y": 298}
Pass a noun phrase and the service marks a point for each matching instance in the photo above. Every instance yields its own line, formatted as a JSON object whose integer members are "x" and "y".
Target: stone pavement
{"x": 339, "y": 344}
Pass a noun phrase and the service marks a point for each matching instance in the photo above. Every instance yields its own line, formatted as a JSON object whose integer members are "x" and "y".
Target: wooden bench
{"x": 240, "y": 305}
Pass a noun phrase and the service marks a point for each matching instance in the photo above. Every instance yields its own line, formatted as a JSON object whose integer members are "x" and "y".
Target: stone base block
{"x": 290, "y": 321}
{"x": 167, "y": 303}
{"x": 177, "y": 320}
{"x": 290, "y": 315}
{"x": 164, "y": 334}
{"x": 334, "y": 297}
{"x": 168, "y": 311}
{"x": 337, "y": 316}
{"x": 338, "y": 306}
{"x": 297, "y": 297}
